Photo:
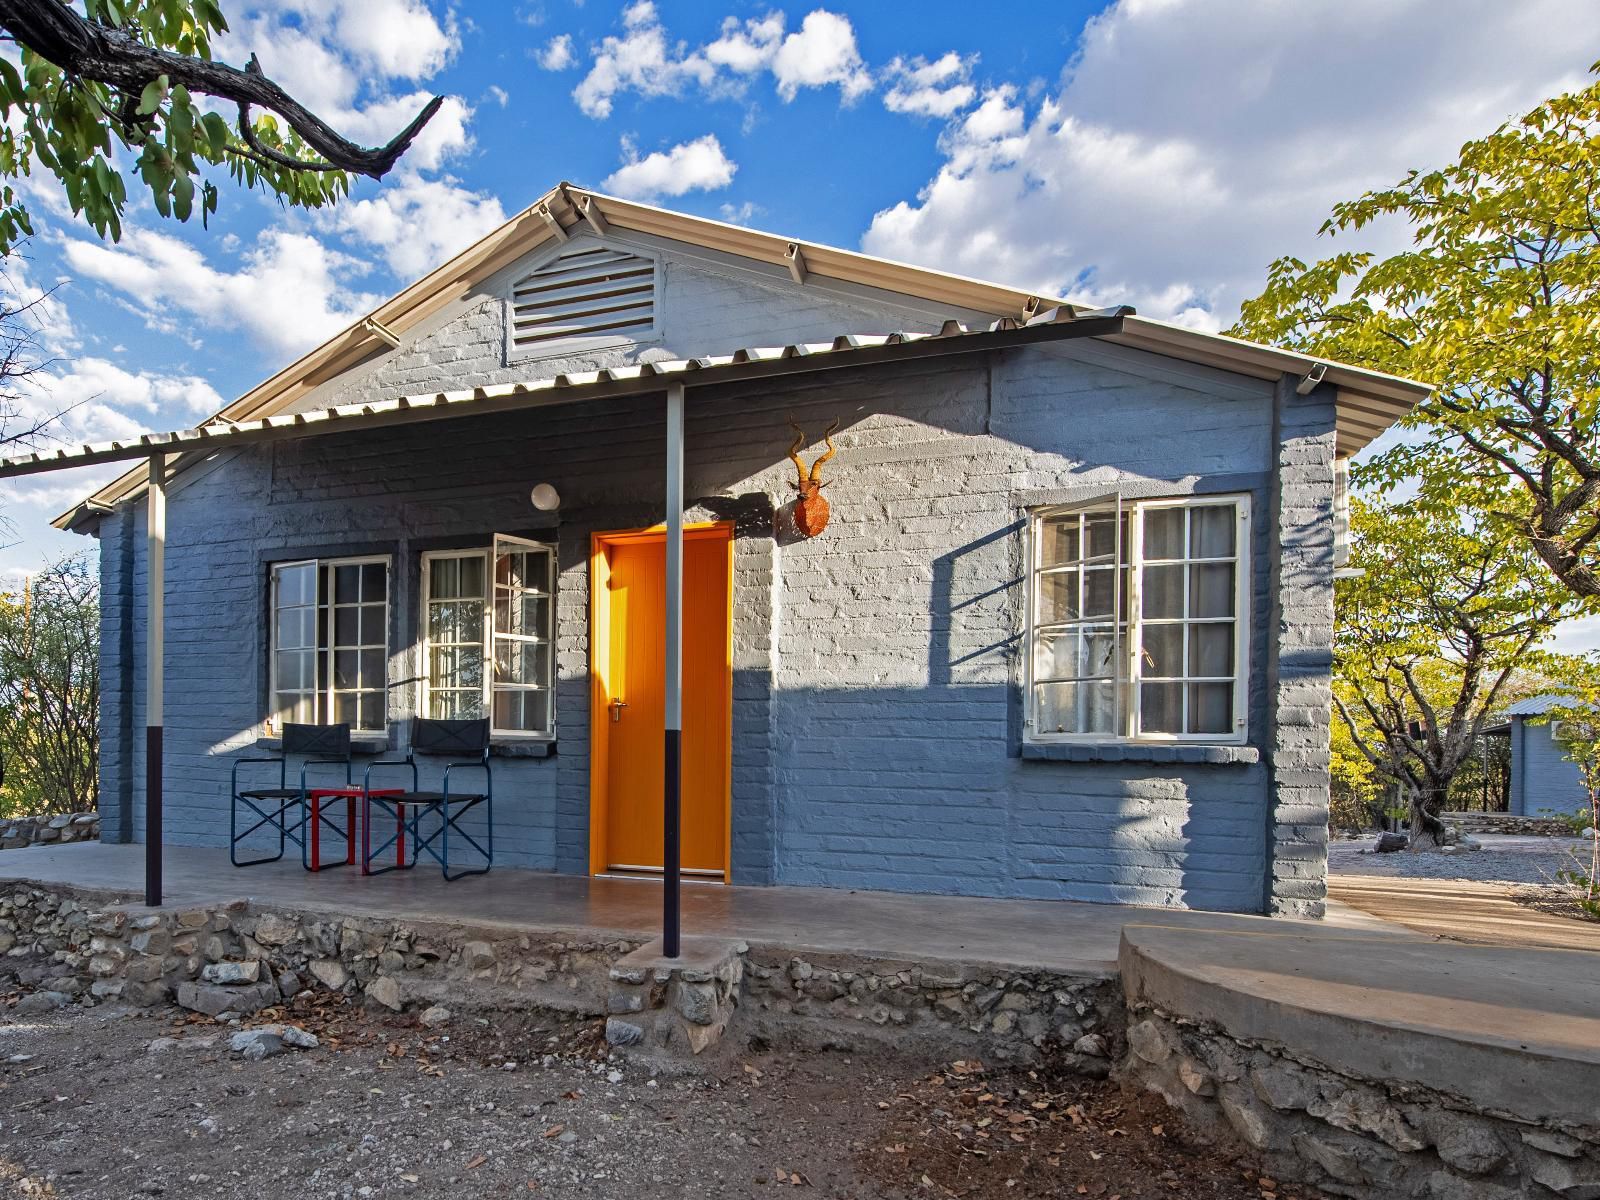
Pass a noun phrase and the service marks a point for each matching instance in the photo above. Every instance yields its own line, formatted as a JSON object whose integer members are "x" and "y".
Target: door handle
{"x": 616, "y": 707}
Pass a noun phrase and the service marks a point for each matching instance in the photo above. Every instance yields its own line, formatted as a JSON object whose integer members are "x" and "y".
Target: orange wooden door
{"x": 634, "y": 613}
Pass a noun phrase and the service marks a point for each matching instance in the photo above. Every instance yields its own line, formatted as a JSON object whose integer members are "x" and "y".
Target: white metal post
{"x": 155, "y": 541}
{"x": 671, "y": 792}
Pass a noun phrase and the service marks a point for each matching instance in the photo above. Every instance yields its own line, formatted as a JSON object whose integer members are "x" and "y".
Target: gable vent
{"x": 582, "y": 293}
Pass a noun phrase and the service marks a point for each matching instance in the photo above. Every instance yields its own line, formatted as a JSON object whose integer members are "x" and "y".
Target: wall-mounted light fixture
{"x": 545, "y": 497}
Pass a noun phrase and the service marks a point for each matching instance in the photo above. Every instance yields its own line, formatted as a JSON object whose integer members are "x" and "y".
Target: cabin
{"x": 982, "y": 592}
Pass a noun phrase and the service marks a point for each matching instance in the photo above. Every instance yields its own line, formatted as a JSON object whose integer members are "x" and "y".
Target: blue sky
{"x": 1155, "y": 152}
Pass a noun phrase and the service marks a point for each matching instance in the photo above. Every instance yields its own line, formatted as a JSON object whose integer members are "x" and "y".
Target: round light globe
{"x": 545, "y": 498}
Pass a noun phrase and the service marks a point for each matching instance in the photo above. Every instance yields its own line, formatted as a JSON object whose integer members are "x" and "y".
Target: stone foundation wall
{"x": 1475, "y": 822}
{"x": 1355, "y": 1137}
{"x": 87, "y": 947}
{"x": 18, "y": 832}
{"x": 1006, "y": 1012}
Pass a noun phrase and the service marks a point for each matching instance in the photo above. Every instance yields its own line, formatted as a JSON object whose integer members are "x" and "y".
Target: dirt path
{"x": 95, "y": 1104}
{"x": 1464, "y": 911}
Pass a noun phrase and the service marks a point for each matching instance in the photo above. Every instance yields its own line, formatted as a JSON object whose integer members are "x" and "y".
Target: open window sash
{"x": 522, "y": 659}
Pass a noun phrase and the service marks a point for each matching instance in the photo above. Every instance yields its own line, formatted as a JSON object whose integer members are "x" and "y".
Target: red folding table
{"x": 317, "y": 796}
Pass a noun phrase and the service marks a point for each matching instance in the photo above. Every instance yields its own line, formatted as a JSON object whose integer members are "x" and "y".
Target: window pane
{"x": 345, "y": 709}
{"x": 371, "y": 711}
{"x": 520, "y": 662}
{"x": 1211, "y": 590}
{"x": 1075, "y": 708}
{"x": 296, "y": 627}
{"x": 1163, "y": 592}
{"x": 294, "y": 671}
{"x": 374, "y": 581}
{"x": 345, "y": 665}
{"x": 1211, "y": 708}
{"x": 456, "y": 621}
{"x": 1161, "y": 707}
{"x": 1163, "y": 651}
{"x": 346, "y": 584}
{"x": 1211, "y": 531}
{"x": 1085, "y": 651}
{"x": 372, "y": 631}
{"x": 459, "y": 666}
{"x": 524, "y": 711}
{"x": 471, "y": 575}
{"x": 372, "y": 668}
{"x": 1101, "y": 529}
{"x": 444, "y": 578}
{"x": 1099, "y": 592}
{"x": 1163, "y": 533}
{"x": 521, "y": 614}
{"x": 1210, "y": 650}
{"x": 297, "y": 585}
{"x": 1058, "y": 541}
{"x": 1058, "y": 597}
{"x": 346, "y": 626}
{"x": 455, "y": 706}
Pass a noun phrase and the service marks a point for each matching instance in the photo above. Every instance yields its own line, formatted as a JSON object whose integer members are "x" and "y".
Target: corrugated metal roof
{"x": 1536, "y": 706}
{"x": 1368, "y": 401}
{"x": 845, "y": 350}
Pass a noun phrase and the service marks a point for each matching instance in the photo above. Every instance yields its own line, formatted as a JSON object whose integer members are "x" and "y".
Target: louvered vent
{"x": 583, "y": 293}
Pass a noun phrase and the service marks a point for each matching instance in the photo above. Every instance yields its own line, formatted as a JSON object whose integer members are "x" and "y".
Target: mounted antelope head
{"x": 810, "y": 509}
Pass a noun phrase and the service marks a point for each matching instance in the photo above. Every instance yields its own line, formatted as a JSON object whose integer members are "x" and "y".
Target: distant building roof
{"x": 1536, "y": 706}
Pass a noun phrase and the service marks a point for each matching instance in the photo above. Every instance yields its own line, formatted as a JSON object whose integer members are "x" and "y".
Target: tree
{"x": 1577, "y": 731}
{"x": 1497, "y": 303}
{"x": 1427, "y": 639}
{"x": 50, "y": 690}
{"x": 132, "y": 78}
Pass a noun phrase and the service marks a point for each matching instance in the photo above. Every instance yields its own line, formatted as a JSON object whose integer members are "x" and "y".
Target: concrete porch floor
{"x": 1069, "y": 937}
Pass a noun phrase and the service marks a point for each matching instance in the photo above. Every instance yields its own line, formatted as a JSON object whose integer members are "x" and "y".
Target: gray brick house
{"x": 1066, "y": 634}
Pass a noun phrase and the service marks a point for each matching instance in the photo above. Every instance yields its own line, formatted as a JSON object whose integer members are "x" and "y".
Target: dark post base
{"x": 671, "y": 848}
{"x": 152, "y": 816}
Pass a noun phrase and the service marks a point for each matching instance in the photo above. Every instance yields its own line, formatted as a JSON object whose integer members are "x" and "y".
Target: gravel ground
{"x": 100, "y": 1103}
{"x": 1505, "y": 858}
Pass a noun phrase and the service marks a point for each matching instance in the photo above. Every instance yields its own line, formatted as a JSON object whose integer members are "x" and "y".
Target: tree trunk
{"x": 1427, "y": 830}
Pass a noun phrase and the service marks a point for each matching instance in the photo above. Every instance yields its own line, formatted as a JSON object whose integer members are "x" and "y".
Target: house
{"x": 1065, "y": 634}
{"x": 1544, "y": 781}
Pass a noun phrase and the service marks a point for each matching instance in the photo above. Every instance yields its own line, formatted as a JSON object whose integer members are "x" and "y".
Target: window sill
{"x": 360, "y": 746}
{"x": 1181, "y": 753}
{"x": 521, "y": 748}
{"x": 370, "y": 747}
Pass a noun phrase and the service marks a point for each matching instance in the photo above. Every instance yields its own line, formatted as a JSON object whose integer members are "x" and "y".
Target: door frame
{"x": 600, "y": 545}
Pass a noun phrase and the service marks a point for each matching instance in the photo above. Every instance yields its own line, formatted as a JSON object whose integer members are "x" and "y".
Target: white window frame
{"x": 425, "y": 668}
{"x": 1130, "y": 677}
{"x": 323, "y": 656}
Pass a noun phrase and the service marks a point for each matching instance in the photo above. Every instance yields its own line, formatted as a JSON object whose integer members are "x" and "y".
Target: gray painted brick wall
{"x": 877, "y": 668}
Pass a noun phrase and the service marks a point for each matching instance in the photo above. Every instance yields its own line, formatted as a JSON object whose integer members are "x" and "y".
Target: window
{"x": 492, "y": 606}
{"x": 1138, "y": 621}
{"x": 330, "y": 643}
{"x": 585, "y": 292}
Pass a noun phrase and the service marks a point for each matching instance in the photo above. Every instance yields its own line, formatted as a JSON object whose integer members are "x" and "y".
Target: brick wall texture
{"x": 877, "y": 667}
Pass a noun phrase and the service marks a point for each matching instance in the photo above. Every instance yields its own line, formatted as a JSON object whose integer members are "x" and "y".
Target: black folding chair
{"x": 282, "y": 809}
{"x": 467, "y": 742}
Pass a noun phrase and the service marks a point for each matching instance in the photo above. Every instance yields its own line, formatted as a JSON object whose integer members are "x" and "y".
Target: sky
{"x": 1158, "y": 153}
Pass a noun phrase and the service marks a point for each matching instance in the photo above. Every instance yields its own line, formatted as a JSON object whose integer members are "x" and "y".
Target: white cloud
{"x": 1249, "y": 120}
{"x": 695, "y": 166}
{"x": 940, "y": 88}
{"x": 397, "y": 38}
{"x": 498, "y": 94}
{"x": 741, "y": 214}
{"x": 645, "y": 60}
{"x": 822, "y": 53}
{"x": 419, "y": 223}
{"x": 557, "y": 54}
{"x": 289, "y": 293}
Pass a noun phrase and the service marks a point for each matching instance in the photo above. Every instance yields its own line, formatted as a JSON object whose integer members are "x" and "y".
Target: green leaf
{"x": 153, "y": 96}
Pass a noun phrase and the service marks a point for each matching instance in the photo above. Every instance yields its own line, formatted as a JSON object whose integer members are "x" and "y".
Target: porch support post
{"x": 671, "y": 842}
{"x": 155, "y": 648}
